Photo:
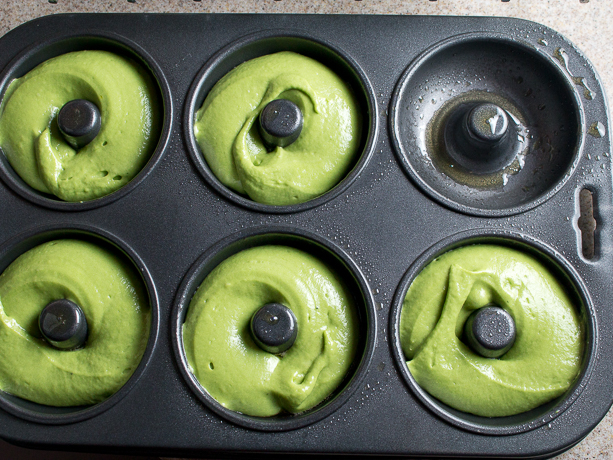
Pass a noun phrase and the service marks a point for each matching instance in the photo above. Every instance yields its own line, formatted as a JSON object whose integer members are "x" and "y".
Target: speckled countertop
{"x": 585, "y": 22}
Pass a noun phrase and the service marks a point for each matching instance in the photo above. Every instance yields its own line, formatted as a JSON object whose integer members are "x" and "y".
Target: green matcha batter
{"x": 541, "y": 365}
{"x": 233, "y": 369}
{"x": 30, "y": 138}
{"x": 111, "y": 294}
{"x": 226, "y": 129}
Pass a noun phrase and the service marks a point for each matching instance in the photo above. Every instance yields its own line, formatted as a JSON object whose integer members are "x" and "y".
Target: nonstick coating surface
{"x": 383, "y": 221}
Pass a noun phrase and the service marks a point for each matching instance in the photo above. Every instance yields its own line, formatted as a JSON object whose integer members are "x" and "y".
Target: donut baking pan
{"x": 474, "y": 130}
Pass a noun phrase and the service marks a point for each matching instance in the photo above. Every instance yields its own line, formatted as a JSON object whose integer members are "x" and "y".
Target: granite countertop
{"x": 585, "y": 22}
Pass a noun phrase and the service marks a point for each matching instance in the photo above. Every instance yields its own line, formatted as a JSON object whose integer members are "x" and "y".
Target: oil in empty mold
{"x": 561, "y": 55}
{"x": 597, "y": 130}
{"x": 435, "y": 143}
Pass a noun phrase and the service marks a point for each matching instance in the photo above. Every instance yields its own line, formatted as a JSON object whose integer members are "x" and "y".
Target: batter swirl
{"x": 130, "y": 126}
{"x": 112, "y": 296}
{"x": 226, "y": 129}
{"x": 545, "y": 358}
{"x": 233, "y": 369}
